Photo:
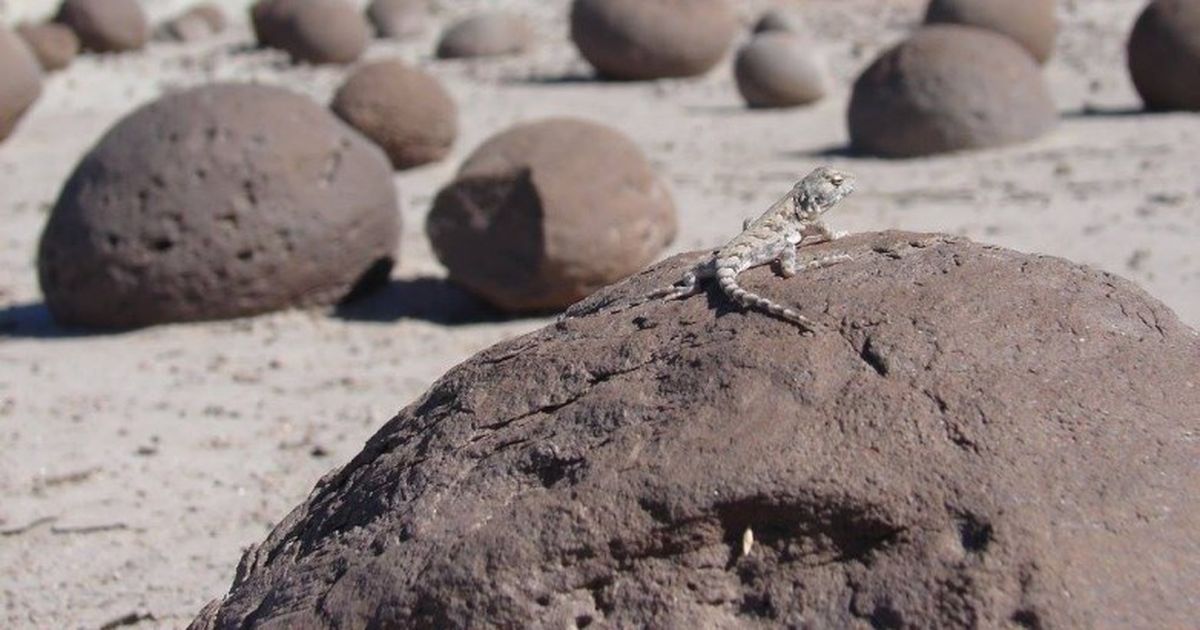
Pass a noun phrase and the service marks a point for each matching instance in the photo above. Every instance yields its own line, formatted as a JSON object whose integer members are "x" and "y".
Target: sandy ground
{"x": 137, "y": 466}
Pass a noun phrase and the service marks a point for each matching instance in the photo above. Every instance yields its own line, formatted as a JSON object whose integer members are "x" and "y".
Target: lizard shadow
{"x": 429, "y": 299}
{"x": 1091, "y": 111}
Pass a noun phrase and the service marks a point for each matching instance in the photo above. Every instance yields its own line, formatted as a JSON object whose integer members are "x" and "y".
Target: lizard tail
{"x": 727, "y": 280}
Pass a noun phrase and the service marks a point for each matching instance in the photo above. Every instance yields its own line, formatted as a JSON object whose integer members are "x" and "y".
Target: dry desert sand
{"x": 137, "y": 466}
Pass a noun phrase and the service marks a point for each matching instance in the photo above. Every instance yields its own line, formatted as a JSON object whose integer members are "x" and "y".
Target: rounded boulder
{"x": 779, "y": 69}
{"x": 54, "y": 45}
{"x": 216, "y": 202}
{"x": 949, "y": 88}
{"x": 325, "y": 31}
{"x": 405, "y": 111}
{"x": 974, "y": 437}
{"x": 1031, "y": 23}
{"x": 486, "y": 35}
{"x": 196, "y": 23}
{"x": 106, "y": 25}
{"x": 270, "y": 19}
{"x": 1164, "y": 55}
{"x": 547, "y": 212}
{"x": 652, "y": 39}
{"x": 22, "y": 84}
{"x": 398, "y": 19}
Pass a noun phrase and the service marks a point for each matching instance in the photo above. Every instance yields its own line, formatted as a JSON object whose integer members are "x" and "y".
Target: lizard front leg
{"x": 787, "y": 262}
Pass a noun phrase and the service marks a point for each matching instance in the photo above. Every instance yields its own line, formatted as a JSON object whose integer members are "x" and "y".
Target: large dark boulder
{"x": 975, "y": 438}
{"x": 1164, "y": 55}
{"x": 219, "y": 201}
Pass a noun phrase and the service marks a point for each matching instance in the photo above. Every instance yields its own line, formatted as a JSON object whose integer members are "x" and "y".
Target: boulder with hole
{"x": 216, "y": 202}
{"x": 404, "y": 110}
{"x": 22, "y": 84}
{"x": 54, "y": 45}
{"x": 652, "y": 39}
{"x": 106, "y": 25}
{"x": 398, "y": 19}
{"x": 491, "y": 34}
{"x": 547, "y": 212}
{"x": 974, "y": 437}
{"x": 1164, "y": 55}
{"x": 949, "y": 88}
{"x": 1031, "y": 23}
{"x": 779, "y": 69}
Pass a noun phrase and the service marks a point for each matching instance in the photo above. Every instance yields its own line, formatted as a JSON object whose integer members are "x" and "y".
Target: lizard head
{"x": 820, "y": 190}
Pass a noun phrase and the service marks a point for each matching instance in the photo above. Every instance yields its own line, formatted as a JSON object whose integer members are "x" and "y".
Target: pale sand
{"x": 160, "y": 454}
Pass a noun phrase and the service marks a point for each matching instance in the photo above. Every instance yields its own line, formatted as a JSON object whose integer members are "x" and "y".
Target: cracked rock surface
{"x": 975, "y": 437}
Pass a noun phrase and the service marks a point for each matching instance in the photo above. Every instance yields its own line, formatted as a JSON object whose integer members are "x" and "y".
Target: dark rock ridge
{"x": 976, "y": 438}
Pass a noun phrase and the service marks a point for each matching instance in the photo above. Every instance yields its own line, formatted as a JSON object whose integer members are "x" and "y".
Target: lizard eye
{"x": 837, "y": 180}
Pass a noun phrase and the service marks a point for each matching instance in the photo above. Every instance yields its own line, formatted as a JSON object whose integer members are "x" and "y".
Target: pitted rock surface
{"x": 976, "y": 438}
{"x": 220, "y": 201}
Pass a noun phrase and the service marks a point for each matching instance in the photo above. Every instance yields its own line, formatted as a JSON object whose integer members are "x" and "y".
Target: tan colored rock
{"x": 489, "y": 34}
{"x": 22, "y": 84}
{"x": 1031, "y": 23}
{"x": 54, "y": 45}
{"x": 779, "y": 69}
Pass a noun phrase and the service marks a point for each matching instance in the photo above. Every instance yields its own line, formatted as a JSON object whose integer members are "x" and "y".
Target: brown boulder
{"x": 486, "y": 35}
{"x": 949, "y": 88}
{"x": 106, "y": 25}
{"x": 1032, "y": 23}
{"x": 652, "y": 39}
{"x": 1164, "y": 55}
{"x": 402, "y": 109}
{"x": 270, "y": 19}
{"x": 978, "y": 438}
{"x": 398, "y": 19}
{"x": 54, "y": 45}
{"x": 22, "y": 84}
{"x": 220, "y": 201}
{"x": 325, "y": 31}
{"x": 547, "y": 212}
{"x": 779, "y": 69}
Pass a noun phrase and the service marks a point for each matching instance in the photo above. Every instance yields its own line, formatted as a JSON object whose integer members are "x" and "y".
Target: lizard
{"x": 772, "y": 237}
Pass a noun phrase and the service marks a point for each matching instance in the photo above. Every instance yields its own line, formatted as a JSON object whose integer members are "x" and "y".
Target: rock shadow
{"x": 429, "y": 299}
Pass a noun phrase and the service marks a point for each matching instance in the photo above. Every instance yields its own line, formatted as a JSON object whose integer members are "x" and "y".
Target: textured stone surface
{"x": 652, "y": 39}
{"x": 779, "y": 69}
{"x": 949, "y": 88}
{"x": 325, "y": 31}
{"x": 1032, "y": 23}
{"x": 22, "y": 80}
{"x": 218, "y": 202}
{"x": 404, "y": 110}
{"x": 397, "y": 19}
{"x": 1164, "y": 55}
{"x": 486, "y": 35}
{"x": 106, "y": 25}
{"x": 547, "y": 212}
{"x": 980, "y": 438}
{"x": 54, "y": 45}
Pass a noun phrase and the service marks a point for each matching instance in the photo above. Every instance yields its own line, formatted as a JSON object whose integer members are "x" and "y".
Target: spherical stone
{"x": 220, "y": 201}
{"x": 1164, "y": 55}
{"x": 1032, "y": 23}
{"x": 398, "y": 19}
{"x": 106, "y": 25}
{"x": 486, "y": 35}
{"x": 652, "y": 39}
{"x": 325, "y": 31}
{"x": 199, "y": 22}
{"x": 778, "y": 19}
{"x": 949, "y": 88}
{"x": 22, "y": 80}
{"x": 54, "y": 45}
{"x": 269, "y": 18}
{"x": 547, "y": 212}
{"x": 973, "y": 437}
{"x": 402, "y": 109}
{"x": 779, "y": 69}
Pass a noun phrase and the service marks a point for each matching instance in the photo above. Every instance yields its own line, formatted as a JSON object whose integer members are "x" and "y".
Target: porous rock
{"x": 106, "y": 25}
{"x": 219, "y": 201}
{"x": 397, "y": 19}
{"x": 405, "y": 111}
{"x": 490, "y": 34}
{"x": 325, "y": 31}
{"x": 949, "y": 88}
{"x": 1031, "y": 23}
{"x": 1164, "y": 55}
{"x": 652, "y": 39}
{"x": 974, "y": 438}
{"x": 54, "y": 45}
{"x": 22, "y": 84}
{"x": 778, "y": 69}
{"x": 778, "y": 19}
{"x": 547, "y": 212}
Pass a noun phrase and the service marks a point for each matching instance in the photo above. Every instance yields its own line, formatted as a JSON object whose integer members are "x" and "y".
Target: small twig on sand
{"x": 16, "y": 531}
{"x": 128, "y": 619}
{"x": 89, "y": 529}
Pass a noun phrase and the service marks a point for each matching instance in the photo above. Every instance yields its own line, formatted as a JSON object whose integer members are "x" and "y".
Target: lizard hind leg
{"x": 687, "y": 286}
